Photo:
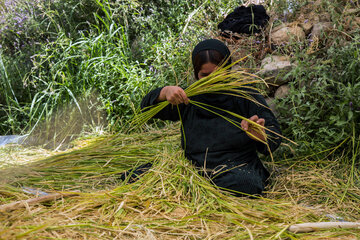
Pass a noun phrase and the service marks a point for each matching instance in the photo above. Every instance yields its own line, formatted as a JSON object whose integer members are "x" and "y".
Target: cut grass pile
{"x": 171, "y": 200}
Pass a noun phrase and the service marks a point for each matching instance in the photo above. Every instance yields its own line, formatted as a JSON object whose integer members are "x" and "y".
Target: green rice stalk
{"x": 221, "y": 81}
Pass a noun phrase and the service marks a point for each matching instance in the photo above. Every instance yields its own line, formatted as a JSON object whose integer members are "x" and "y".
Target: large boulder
{"x": 274, "y": 68}
{"x": 285, "y": 34}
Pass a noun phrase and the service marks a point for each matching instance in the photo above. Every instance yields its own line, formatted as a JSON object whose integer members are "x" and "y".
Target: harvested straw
{"x": 96, "y": 166}
{"x": 222, "y": 81}
{"x": 170, "y": 201}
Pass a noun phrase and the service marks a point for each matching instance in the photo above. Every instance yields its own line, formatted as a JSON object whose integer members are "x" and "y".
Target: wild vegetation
{"x": 87, "y": 64}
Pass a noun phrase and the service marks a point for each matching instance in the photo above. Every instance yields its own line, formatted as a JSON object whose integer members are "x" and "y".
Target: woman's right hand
{"x": 174, "y": 95}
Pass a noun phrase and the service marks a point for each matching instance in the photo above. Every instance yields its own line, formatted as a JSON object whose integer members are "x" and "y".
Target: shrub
{"x": 323, "y": 107}
{"x": 121, "y": 49}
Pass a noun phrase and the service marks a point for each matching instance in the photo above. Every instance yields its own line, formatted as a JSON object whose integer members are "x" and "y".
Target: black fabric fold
{"x": 248, "y": 20}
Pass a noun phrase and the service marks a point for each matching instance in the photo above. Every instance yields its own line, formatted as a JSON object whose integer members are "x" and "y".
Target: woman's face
{"x": 206, "y": 69}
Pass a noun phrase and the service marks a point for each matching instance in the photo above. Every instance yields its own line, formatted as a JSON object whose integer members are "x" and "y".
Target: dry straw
{"x": 170, "y": 201}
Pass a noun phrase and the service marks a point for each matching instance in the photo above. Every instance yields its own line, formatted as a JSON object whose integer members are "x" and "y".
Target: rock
{"x": 277, "y": 28}
{"x": 351, "y": 11}
{"x": 321, "y": 27}
{"x": 324, "y": 17}
{"x": 275, "y": 68}
{"x": 271, "y": 102}
{"x": 352, "y": 23}
{"x": 357, "y": 21}
{"x": 307, "y": 26}
{"x": 317, "y": 3}
{"x": 282, "y": 91}
{"x": 286, "y": 34}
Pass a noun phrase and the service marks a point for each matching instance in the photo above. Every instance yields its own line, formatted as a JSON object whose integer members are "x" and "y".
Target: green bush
{"x": 119, "y": 49}
{"x": 323, "y": 107}
{"x": 25, "y": 27}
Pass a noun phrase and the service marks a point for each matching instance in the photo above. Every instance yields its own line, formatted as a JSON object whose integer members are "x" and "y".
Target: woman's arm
{"x": 247, "y": 127}
{"x": 172, "y": 94}
{"x": 265, "y": 117}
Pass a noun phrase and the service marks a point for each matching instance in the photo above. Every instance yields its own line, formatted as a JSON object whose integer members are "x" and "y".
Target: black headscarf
{"x": 212, "y": 44}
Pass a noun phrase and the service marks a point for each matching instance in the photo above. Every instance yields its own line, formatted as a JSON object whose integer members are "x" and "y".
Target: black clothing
{"x": 245, "y": 20}
{"x": 227, "y": 153}
{"x": 134, "y": 174}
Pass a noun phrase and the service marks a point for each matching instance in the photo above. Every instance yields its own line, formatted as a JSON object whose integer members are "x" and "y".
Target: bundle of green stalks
{"x": 239, "y": 83}
{"x": 223, "y": 80}
{"x": 171, "y": 200}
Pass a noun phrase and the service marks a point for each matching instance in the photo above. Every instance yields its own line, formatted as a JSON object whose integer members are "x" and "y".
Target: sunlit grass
{"x": 171, "y": 200}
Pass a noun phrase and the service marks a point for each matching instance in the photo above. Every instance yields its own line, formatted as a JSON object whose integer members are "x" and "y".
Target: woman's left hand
{"x": 252, "y": 129}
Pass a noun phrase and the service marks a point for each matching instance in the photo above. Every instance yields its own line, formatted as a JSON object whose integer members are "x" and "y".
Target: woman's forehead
{"x": 208, "y": 67}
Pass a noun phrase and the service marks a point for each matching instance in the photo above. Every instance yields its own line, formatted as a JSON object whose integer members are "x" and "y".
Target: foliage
{"x": 25, "y": 27}
{"x": 322, "y": 108}
{"x": 64, "y": 50}
{"x": 55, "y": 53}
{"x": 67, "y": 50}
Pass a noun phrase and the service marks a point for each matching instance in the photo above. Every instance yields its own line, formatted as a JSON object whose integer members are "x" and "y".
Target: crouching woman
{"x": 226, "y": 153}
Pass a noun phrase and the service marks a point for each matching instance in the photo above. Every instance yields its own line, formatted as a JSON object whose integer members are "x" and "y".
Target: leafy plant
{"x": 322, "y": 109}
{"x": 117, "y": 48}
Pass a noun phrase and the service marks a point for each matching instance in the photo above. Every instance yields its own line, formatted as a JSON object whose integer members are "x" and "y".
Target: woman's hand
{"x": 174, "y": 95}
{"x": 253, "y": 129}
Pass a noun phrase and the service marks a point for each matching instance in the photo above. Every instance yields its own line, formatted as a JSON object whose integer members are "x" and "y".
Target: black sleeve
{"x": 270, "y": 123}
{"x": 170, "y": 112}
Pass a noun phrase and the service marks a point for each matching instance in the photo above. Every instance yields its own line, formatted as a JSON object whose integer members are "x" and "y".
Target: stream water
{"x": 17, "y": 139}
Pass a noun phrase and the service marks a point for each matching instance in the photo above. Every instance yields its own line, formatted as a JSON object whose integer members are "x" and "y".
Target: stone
{"x": 352, "y": 23}
{"x": 286, "y": 34}
{"x": 307, "y": 26}
{"x": 271, "y": 102}
{"x": 282, "y": 91}
{"x": 277, "y": 28}
{"x": 351, "y": 11}
{"x": 324, "y": 17}
{"x": 320, "y": 28}
{"x": 274, "y": 68}
{"x": 357, "y": 21}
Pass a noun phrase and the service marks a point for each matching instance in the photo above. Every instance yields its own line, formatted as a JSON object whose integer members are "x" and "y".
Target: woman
{"x": 226, "y": 152}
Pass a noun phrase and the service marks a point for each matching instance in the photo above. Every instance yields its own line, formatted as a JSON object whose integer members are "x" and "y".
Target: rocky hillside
{"x": 310, "y": 29}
